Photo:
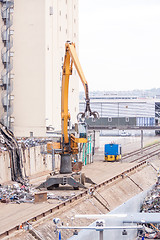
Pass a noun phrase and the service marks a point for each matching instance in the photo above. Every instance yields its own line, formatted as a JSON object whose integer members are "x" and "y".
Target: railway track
{"x": 119, "y": 177}
{"x": 138, "y": 155}
{"x": 146, "y": 156}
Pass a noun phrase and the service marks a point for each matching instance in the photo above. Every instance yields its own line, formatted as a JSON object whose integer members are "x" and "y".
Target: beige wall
{"x": 5, "y": 175}
{"x": 32, "y": 160}
{"x": 41, "y": 28}
{"x": 29, "y": 67}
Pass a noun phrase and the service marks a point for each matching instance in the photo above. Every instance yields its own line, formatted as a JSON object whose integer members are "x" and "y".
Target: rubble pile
{"x": 32, "y": 142}
{"x": 28, "y": 142}
{"x": 17, "y": 194}
{"x": 151, "y": 204}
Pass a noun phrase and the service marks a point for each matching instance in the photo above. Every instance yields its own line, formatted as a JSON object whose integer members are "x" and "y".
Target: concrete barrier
{"x": 132, "y": 205}
{"x": 5, "y": 170}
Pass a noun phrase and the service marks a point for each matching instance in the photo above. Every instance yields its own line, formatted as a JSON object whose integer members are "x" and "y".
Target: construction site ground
{"x": 110, "y": 196}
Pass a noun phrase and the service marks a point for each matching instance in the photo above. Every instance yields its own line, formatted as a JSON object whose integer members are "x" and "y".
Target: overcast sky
{"x": 119, "y": 43}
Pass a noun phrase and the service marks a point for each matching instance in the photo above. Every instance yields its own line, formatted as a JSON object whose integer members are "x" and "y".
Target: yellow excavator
{"x": 68, "y": 145}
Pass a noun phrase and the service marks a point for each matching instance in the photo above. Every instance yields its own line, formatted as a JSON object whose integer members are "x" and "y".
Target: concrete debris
{"x": 40, "y": 197}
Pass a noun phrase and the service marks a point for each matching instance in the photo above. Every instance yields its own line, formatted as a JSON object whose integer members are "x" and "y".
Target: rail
{"x": 139, "y": 150}
{"x": 147, "y": 152}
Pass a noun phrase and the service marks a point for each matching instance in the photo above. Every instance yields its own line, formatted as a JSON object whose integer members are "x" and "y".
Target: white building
{"x": 40, "y": 30}
{"x": 121, "y": 106}
{"x": 122, "y": 112}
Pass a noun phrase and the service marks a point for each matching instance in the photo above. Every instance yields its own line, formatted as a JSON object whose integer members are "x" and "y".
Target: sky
{"x": 119, "y": 44}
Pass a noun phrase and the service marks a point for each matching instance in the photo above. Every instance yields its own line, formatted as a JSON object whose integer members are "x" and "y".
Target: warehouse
{"x": 123, "y": 111}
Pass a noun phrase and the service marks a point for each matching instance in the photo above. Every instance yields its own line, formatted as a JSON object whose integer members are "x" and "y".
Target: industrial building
{"x": 123, "y": 111}
{"x": 32, "y": 43}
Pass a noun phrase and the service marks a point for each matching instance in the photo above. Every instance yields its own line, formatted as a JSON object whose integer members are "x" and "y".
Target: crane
{"x": 69, "y": 143}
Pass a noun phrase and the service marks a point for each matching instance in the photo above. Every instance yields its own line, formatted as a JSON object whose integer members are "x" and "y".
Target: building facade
{"x": 121, "y": 111}
{"x": 36, "y": 32}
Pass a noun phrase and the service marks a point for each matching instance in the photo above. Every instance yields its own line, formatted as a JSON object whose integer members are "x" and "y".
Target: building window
{"x": 51, "y": 10}
{"x": 60, "y": 13}
{"x": 60, "y": 28}
{"x": 74, "y": 7}
{"x": 66, "y": 31}
{"x": 74, "y": 34}
{"x": 127, "y": 119}
{"x": 109, "y": 119}
{"x": 66, "y": 16}
{"x": 74, "y": 20}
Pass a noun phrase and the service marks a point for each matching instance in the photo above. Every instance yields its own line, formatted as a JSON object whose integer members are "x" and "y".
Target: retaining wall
{"x": 5, "y": 170}
{"x": 33, "y": 162}
{"x": 131, "y": 206}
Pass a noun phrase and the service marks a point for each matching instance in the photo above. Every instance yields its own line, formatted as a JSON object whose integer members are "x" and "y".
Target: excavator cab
{"x": 82, "y": 130}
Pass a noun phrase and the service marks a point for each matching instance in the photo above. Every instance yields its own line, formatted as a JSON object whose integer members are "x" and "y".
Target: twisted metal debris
{"x": 17, "y": 193}
{"x": 16, "y": 148}
{"x": 8, "y": 141}
{"x": 14, "y": 193}
{"x": 151, "y": 204}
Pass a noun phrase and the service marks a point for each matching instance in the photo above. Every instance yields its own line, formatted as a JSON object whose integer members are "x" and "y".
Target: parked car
{"x": 125, "y": 134}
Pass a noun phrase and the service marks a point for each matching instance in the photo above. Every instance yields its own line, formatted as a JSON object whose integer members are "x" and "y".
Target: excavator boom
{"x": 70, "y": 58}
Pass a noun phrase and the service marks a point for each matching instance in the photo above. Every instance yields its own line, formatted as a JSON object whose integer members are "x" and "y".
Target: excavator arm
{"x": 71, "y": 58}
